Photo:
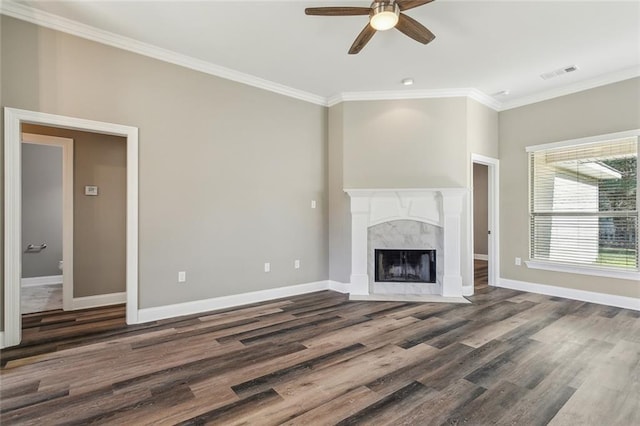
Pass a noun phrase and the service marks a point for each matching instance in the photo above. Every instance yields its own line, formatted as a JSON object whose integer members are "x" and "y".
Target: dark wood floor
{"x": 509, "y": 358}
{"x": 480, "y": 274}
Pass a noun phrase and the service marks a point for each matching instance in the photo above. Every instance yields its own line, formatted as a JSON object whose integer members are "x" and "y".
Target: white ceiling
{"x": 486, "y": 45}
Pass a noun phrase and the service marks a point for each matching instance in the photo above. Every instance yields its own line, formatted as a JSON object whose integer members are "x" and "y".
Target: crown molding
{"x": 474, "y": 94}
{"x": 591, "y": 83}
{"x": 58, "y": 23}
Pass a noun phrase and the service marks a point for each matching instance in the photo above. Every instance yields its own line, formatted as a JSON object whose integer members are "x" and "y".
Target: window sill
{"x": 584, "y": 270}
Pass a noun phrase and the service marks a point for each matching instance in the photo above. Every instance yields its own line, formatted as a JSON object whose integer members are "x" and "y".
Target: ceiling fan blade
{"x": 410, "y": 4}
{"x": 414, "y": 29}
{"x": 337, "y": 11}
{"x": 362, "y": 39}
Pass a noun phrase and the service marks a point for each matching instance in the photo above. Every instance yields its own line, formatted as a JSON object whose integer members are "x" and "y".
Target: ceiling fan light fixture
{"x": 384, "y": 16}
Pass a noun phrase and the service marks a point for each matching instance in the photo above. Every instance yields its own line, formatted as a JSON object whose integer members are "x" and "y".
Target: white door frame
{"x": 493, "y": 202}
{"x": 13, "y": 119}
{"x": 67, "y": 208}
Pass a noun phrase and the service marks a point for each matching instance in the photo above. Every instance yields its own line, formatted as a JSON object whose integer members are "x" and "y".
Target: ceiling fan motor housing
{"x": 384, "y": 15}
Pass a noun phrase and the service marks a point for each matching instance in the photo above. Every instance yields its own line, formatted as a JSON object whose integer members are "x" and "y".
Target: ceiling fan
{"x": 383, "y": 15}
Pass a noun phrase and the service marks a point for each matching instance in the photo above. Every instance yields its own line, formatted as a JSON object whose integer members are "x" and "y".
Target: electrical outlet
{"x": 267, "y": 267}
{"x": 518, "y": 261}
{"x": 182, "y": 276}
{"x": 296, "y": 264}
{"x": 313, "y": 204}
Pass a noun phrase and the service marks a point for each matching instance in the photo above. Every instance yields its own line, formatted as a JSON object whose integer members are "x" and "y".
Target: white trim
{"x": 2, "y": 340}
{"x": 413, "y": 298}
{"x": 132, "y": 284}
{"x": 12, "y": 222}
{"x": 58, "y": 23}
{"x": 580, "y": 86}
{"x": 477, "y": 256}
{"x": 338, "y": 286}
{"x": 570, "y": 293}
{"x": 223, "y": 302}
{"x": 584, "y": 270}
{"x": 87, "y": 302}
{"x": 587, "y": 140}
{"x": 67, "y": 205}
{"x": 40, "y": 281}
{"x": 12, "y": 230}
{"x": 471, "y": 93}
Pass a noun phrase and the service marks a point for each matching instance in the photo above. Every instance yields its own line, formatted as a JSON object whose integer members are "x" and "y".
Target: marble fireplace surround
{"x": 441, "y": 207}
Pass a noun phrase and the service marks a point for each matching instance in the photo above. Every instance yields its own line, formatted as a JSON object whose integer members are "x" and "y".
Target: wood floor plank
{"x": 613, "y": 386}
{"x": 337, "y": 408}
{"x": 391, "y": 407}
{"x": 481, "y": 410}
{"x": 438, "y": 408}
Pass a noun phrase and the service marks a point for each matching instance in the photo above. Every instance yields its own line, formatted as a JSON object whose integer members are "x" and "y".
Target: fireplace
{"x": 414, "y": 266}
{"x": 400, "y": 219}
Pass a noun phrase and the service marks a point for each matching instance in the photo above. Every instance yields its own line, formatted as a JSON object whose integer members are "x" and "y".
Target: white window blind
{"x": 584, "y": 204}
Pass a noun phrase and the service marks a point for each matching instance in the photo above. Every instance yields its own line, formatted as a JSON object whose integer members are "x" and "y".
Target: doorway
{"x": 14, "y": 120}
{"x": 47, "y": 223}
{"x": 485, "y": 221}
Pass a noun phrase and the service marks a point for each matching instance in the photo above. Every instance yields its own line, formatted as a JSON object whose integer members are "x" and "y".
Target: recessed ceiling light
{"x": 407, "y": 81}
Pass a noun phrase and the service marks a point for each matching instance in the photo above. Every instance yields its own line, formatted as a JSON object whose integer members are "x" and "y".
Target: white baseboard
{"x": 467, "y": 290}
{"x": 97, "y": 301}
{"x": 481, "y": 257}
{"x": 198, "y": 306}
{"x": 38, "y": 281}
{"x": 338, "y": 286}
{"x": 570, "y": 293}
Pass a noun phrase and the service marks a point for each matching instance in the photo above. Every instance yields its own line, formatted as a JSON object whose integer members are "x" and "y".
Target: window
{"x": 584, "y": 203}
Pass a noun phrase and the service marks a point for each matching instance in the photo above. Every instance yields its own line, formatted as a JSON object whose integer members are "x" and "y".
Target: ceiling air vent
{"x": 556, "y": 73}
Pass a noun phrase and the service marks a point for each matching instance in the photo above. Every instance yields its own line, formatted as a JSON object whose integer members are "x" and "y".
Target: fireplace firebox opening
{"x": 415, "y": 266}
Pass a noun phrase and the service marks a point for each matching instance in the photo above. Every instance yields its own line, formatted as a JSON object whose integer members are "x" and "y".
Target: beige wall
{"x": 339, "y": 202}
{"x": 480, "y": 209}
{"x": 99, "y": 222}
{"x": 227, "y": 171}
{"x": 482, "y": 129}
{"x": 606, "y": 109}
{"x": 418, "y": 143}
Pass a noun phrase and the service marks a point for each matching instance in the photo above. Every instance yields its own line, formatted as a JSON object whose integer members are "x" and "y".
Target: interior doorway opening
{"x": 485, "y": 221}
{"x": 47, "y": 223}
{"x": 15, "y": 119}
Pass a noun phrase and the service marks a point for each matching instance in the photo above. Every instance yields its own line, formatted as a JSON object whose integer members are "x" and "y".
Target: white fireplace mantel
{"x": 437, "y": 206}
